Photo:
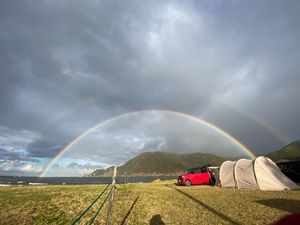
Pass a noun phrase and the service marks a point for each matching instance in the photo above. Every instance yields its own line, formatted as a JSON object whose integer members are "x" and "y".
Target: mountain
{"x": 162, "y": 163}
{"x": 165, "y": 163}
{"x": 290, "y": 152}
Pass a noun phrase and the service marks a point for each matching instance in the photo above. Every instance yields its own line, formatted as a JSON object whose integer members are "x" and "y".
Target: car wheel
{"x": 187, "y": 183}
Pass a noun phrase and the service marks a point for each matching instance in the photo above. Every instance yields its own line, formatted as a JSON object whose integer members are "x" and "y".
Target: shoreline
{"x": 44, "y": 181}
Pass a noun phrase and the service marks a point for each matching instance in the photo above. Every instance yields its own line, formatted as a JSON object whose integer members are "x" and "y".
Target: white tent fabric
{"x": 227, "y": 174}
{"x": 269, "y": 176}
{"x": 261, "y": 173}
{"x": 244, "y": 174}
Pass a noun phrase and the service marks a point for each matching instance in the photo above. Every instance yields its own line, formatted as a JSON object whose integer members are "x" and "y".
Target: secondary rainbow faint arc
{"x": 91, "y": 129}
{"x": 254, "y": 119}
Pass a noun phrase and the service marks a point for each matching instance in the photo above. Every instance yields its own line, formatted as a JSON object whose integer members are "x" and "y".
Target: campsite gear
{"x": 261, "y": 173}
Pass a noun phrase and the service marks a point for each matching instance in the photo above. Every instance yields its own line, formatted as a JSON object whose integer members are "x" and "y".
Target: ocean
{"x": 20, "y": 180}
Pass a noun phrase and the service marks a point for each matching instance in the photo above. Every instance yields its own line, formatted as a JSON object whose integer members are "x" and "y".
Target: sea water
{"x": 20, "y": 180}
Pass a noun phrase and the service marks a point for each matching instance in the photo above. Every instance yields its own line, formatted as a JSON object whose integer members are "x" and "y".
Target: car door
{"x": 203, "y": 176}
{"x": 198, "y": 177}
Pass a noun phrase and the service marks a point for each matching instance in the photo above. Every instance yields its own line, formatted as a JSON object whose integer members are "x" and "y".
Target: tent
{"x": 227, "y": 174}
{"x": 244, "y": 174}
{"x": 261, "y": 173}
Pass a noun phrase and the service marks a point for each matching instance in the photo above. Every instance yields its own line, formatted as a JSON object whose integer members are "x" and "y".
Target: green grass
{"x": 146, "y": 204}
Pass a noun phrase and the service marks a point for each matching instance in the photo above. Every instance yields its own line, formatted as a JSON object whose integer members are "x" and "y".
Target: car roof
{"x": 196, "y": 168}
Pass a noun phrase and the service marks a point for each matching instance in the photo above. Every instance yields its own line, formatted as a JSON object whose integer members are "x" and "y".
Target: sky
{"x": 69, "y": 65}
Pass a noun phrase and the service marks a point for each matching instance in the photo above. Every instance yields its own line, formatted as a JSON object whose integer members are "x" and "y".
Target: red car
{"x": 199, "y": 175}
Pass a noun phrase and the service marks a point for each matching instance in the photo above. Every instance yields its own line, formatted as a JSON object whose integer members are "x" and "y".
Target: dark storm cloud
{"x": 13, "y": 155}
{"x": 68, "y": 65}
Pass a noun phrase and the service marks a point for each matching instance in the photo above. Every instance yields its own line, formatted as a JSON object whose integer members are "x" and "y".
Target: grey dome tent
{"x": 261, "y": 173}
{"x": 244, "y": 174}
{"x": 227, "y": 174}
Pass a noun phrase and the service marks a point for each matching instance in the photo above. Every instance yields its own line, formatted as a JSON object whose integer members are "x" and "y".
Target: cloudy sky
{"x": 68, "y": 65}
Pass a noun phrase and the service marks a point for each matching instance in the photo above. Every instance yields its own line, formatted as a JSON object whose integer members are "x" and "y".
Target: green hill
{"x": 289, "y": 152}
{"x": 165, "y": 163}
{"x": 162, "y": 163}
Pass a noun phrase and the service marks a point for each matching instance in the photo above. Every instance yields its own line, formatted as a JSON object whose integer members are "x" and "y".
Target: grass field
{"x": 155, "y": 203}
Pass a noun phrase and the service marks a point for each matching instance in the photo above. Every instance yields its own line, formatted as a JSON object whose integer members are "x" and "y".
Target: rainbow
{"x": 254, "y": 119}
{"x": 194, "y": 118}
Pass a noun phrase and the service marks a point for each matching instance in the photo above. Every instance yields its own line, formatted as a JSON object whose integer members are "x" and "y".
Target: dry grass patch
{"x": 146, "y": 204}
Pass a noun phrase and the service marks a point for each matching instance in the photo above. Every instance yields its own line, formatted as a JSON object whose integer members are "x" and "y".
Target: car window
{"x": 197, "y": 170}
{"x": 204, "y": 170}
